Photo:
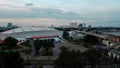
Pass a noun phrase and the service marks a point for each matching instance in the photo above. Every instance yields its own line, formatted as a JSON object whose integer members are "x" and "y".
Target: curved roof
{"x": 27, "y": 29}
{"x": 27, "y": 32}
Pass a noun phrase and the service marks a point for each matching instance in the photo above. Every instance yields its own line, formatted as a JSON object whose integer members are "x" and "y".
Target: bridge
{"x": 90, "y": 29}
{"x": 93, "y": 34}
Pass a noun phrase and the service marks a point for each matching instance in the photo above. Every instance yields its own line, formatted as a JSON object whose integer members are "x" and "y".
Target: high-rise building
{"x": 89, "y": 26}
{"x": 84, "y": 24}
{"x": 80, "y": 25}
{"x": 9, "y": 25}
{"x": 52, "y": 26}
{"x": 73, "y": 24}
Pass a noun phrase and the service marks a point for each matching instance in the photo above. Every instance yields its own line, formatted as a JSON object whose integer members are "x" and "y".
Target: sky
{"x": 60, "y": 12}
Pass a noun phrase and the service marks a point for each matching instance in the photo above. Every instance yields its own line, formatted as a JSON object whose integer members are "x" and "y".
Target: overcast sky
{"x": 60, "y": 12}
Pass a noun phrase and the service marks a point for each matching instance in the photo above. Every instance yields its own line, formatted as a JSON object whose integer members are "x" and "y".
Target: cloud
{"x": 34, "y": 22}
{"x": 92, "y": 11}
{"x": 37, "y": 12}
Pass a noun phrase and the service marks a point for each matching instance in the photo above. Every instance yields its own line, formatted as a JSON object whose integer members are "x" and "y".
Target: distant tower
{"x": 84, "y": 24}
{"x": 73, "y": 24}
{"x": 89, "y": 26}
{"x": 80, "y": 25}
{"x": 52, "y": 26}
{"x": 9, "y": 25}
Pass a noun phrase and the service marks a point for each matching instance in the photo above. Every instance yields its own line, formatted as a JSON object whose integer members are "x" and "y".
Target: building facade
{"x": 73, "y": 24}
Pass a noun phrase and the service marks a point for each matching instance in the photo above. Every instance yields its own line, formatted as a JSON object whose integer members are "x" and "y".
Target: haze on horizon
{"x": 60, "y": 12}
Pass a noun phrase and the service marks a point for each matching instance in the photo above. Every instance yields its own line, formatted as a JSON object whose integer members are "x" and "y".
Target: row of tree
{"x": 45, "y": 44}
{"x": 9, "y": 58}
{"x": 76, "y": 59}
{"x": 69, "y": 59}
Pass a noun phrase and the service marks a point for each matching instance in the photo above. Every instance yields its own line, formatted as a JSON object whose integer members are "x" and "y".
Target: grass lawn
{"x": 26, "y": 43}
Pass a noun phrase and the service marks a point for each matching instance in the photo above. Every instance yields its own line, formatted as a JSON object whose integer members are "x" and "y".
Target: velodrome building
{"x": 30, "y": 32}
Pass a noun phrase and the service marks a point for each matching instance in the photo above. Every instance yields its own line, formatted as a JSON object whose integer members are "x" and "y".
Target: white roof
{"x": 26, "y": 29}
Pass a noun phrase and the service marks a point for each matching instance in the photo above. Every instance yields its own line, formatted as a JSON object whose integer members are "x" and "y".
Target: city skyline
{"x": 59, "y": 12}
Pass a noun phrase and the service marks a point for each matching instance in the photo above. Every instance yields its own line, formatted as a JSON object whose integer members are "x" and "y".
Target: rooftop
{"x": 27, "y": 29}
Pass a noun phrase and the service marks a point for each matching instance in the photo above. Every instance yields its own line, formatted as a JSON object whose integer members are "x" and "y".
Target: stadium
{"x": 23, "y": 33}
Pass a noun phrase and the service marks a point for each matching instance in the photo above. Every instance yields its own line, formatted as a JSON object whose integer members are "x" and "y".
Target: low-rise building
{"x": 76, "y": 36}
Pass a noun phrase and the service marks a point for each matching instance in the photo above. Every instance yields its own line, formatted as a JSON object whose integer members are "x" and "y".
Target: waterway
{"x": 113, "y": 33}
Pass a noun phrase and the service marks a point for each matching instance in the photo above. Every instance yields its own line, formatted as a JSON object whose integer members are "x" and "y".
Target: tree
{"x": 86, "y": 45}
{"x": 27, "y": 52}
{"x": 70, "y": 59}
{"x": 66, "y": 34}
{"x": 40, "y": 66}
{"x": 11, "y": 60}
{"x": 38, "y": 44}
{"x": 93, "y": 56}
{"x": 11, "y": 42}
{"x": 48, "y": 45}
{"x": 91, "y": 40}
